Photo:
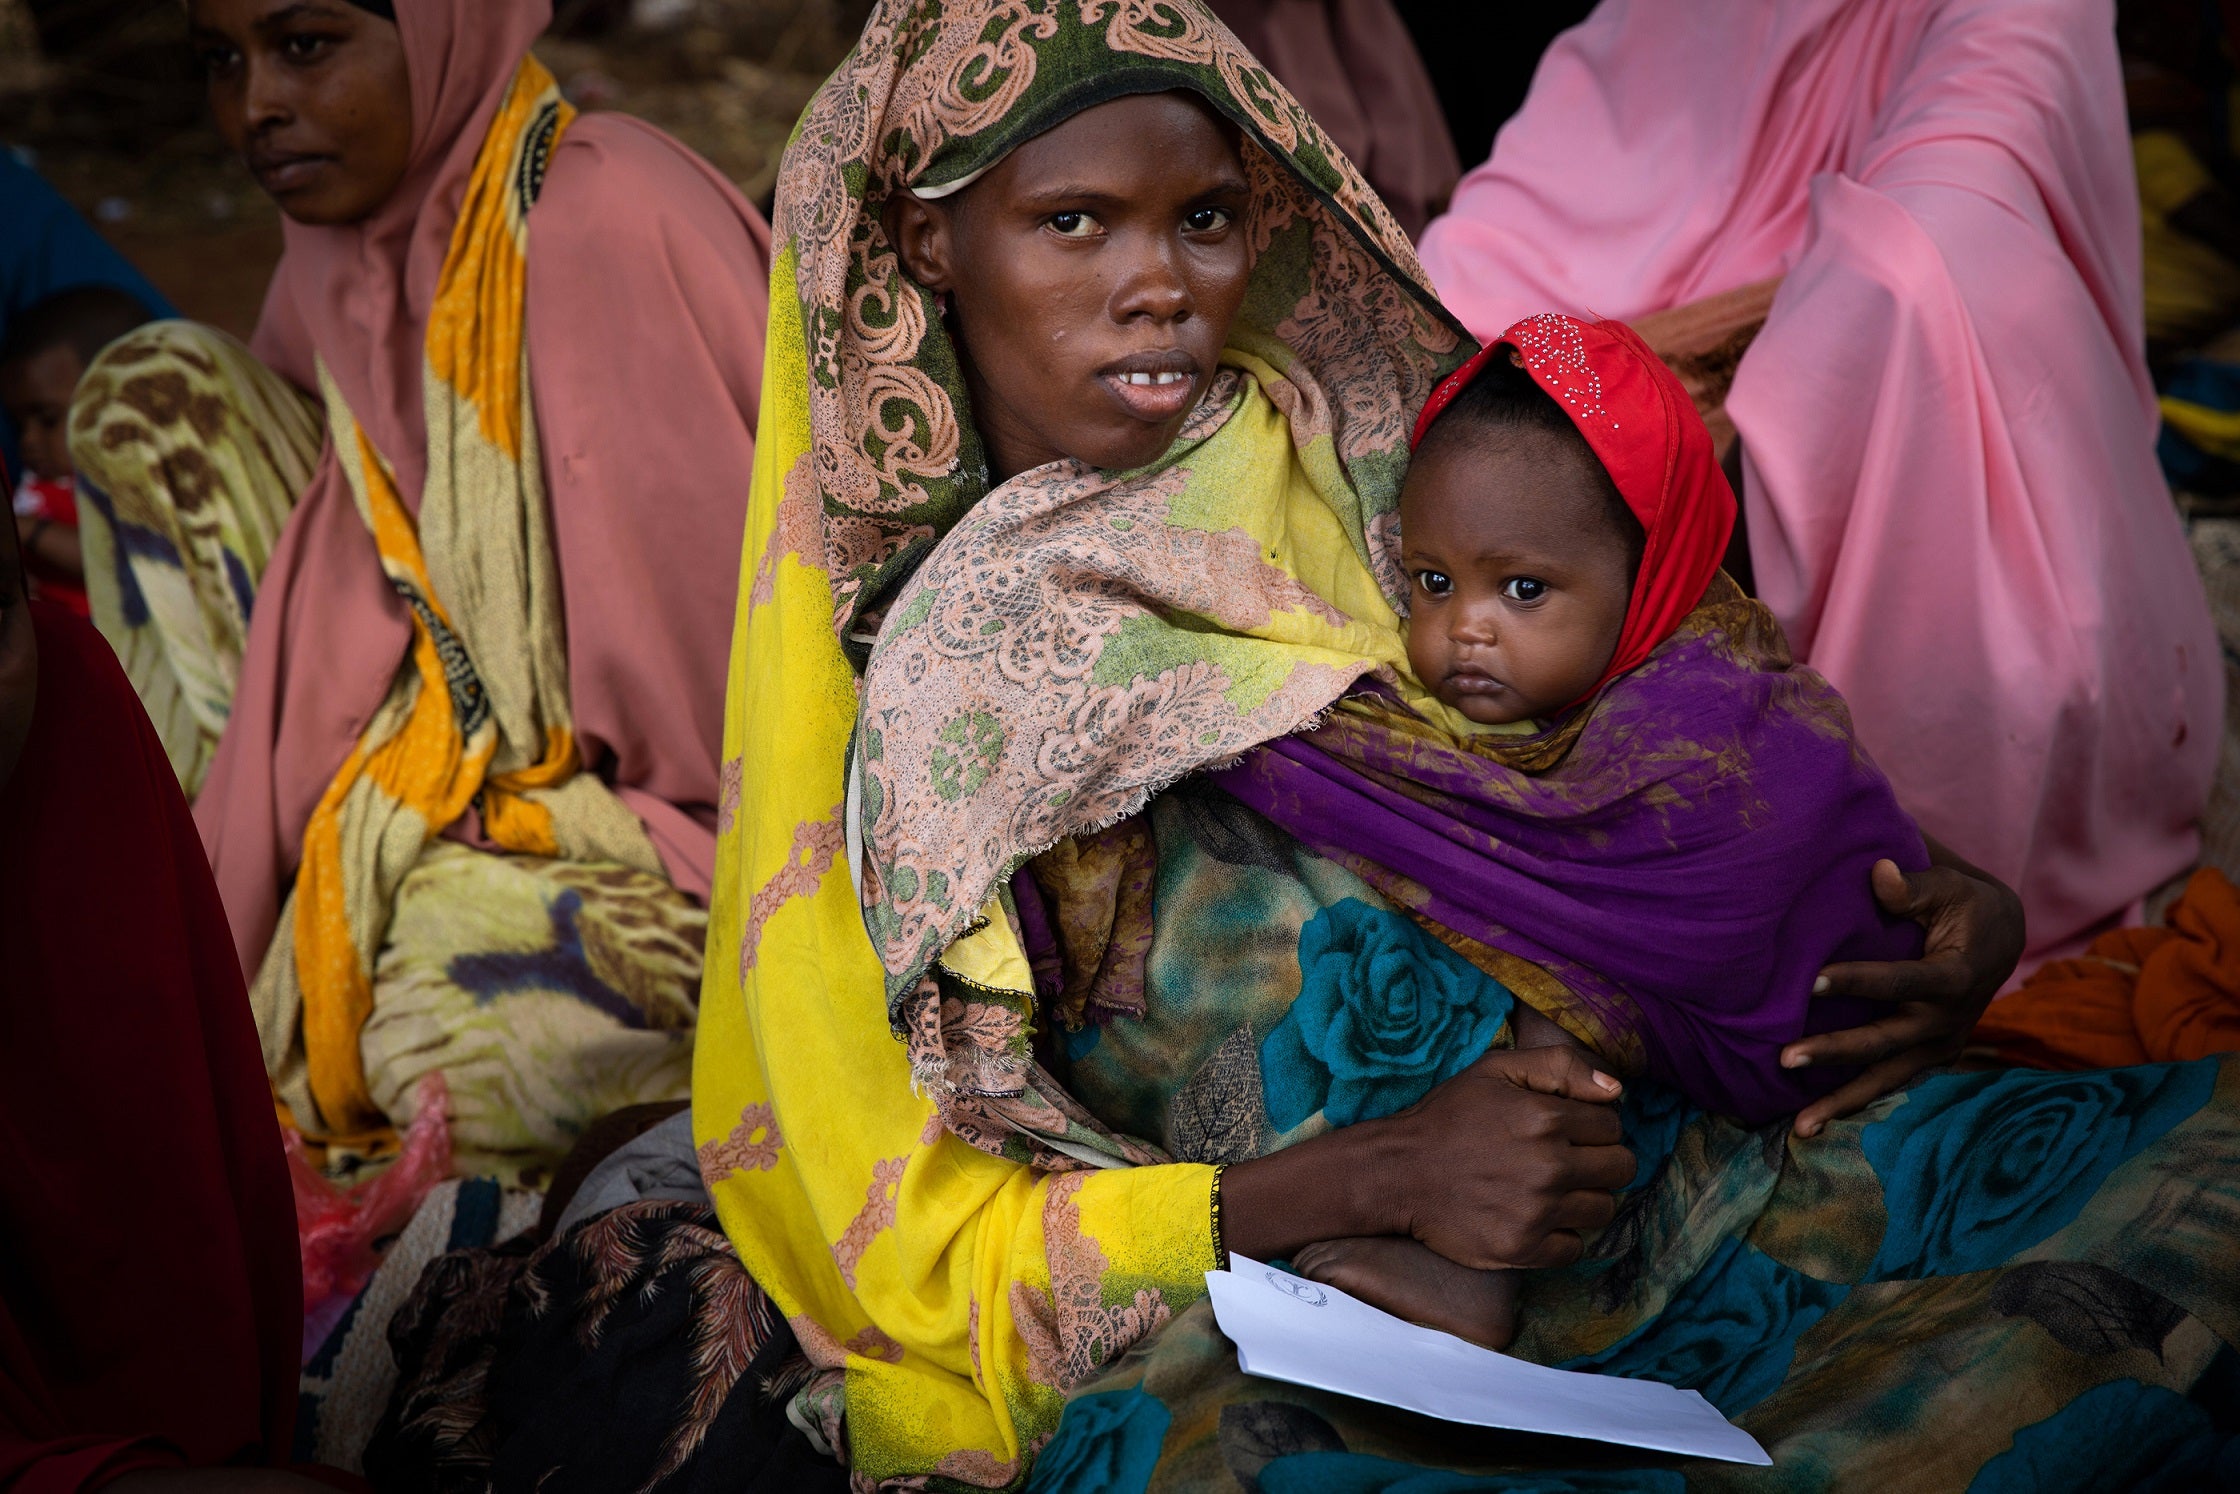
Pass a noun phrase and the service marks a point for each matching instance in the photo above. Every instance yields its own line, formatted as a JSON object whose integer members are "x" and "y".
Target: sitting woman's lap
{"x": 1994, "y": 1265}
{"x": 1998, "y": 1280}
{"x": 546, "y": 992}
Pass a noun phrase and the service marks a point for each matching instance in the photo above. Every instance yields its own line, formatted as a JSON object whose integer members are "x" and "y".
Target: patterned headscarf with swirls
{"x": 933, "y": 96}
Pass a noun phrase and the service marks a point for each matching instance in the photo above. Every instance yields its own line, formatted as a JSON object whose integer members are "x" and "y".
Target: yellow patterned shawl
{"x": 478, "y": 716}
{"x": 959, "y": 1245}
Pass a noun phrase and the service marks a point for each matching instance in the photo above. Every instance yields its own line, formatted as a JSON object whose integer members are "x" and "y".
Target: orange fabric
{"x": 2138, "y": 996}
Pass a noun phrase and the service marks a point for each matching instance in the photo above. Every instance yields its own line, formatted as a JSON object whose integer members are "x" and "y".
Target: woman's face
{"x": 19, "y": 654}
{"x": 313, "y": 95}
{"x": 1093, "y": 275}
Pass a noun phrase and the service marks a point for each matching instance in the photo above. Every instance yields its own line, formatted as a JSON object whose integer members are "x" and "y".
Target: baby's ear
{"x": 920, "y": 233}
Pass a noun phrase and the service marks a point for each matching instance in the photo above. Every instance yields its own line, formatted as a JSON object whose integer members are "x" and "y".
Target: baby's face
{"x": 1517, "y": 581}
{"x": 36, "y": 394}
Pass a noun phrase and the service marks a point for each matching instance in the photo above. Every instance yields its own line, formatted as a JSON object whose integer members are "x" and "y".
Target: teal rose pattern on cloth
{"x": 1997, "y": 1281}
{"x": 1384, "y": 1012}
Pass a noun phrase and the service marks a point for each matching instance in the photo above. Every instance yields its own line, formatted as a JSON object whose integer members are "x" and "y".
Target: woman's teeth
{"x": 1150, "y": 379}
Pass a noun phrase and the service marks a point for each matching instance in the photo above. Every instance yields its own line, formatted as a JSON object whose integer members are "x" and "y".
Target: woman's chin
{"x": 1137, "y": 444}
{"x": 320, "y": 212}
{"x": 330, "y": 200}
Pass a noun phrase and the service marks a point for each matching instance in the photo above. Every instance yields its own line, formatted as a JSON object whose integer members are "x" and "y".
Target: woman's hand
{"x": 1975, "y": 937}
{"x": 1503, "y": 1165}
{"x": 1512, "y": 1158}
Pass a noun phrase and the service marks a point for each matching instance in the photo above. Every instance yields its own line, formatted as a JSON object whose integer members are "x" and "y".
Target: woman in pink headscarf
{"x": 1947, "y": 428}
{"x": 423, "y": 590}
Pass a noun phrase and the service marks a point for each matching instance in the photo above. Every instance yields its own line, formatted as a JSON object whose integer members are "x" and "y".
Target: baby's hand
{"x": 1411, "y": 1280}
{"x": 1531, "y": 1030}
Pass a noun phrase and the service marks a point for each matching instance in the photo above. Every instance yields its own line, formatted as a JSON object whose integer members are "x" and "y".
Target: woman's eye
{"x": 1524, "y": 589}
{"x": 1209, "y": 220}
{"x": 304, "y": 48}
{"x": 1073, "y": 225}
{"x": 216, "y": 60}
{"x": 1434, "y": 583}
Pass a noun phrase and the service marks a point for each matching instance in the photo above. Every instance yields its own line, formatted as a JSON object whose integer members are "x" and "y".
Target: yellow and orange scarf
{"x": 478, "y": 717}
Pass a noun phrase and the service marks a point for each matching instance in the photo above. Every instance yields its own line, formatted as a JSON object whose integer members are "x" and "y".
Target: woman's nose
{"x": 264, "y": 97}
{"x": 1154, "y": 288}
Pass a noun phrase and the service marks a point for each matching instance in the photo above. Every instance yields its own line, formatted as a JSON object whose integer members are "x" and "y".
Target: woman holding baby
{"x": 1148, "y": 848}
{"x": 1134, "y": 843}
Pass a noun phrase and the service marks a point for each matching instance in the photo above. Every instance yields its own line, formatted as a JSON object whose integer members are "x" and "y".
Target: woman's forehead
{"x": 1175, "y": 140}
{"x": 248, "y": 14}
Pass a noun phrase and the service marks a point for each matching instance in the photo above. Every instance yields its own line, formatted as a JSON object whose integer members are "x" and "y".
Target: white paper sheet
{"x": 1288, "y": 1328}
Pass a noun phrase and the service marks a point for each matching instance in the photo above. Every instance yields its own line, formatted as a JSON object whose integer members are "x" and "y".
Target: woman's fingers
{"x": 1587, "y": 1209}
{"x": 1941, "y": 977}
{"x": 1587, "y": 1125}
{"x": 1975, "y": 935}
{"x": 1893, "y": 889}
{"x": 1880, "y": 1079}
{"x": 1561, "y": 1248}
{"x": 1551, "y": 1071}
{"x": 1872, "y": 1043}
{"x": 1606, "y": 1167}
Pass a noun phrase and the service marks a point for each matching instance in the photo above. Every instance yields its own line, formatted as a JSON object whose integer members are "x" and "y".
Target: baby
{"x": 1521, "y": 557}
{"x": 42, "y": 358}
{"x": 1672, "y": 822}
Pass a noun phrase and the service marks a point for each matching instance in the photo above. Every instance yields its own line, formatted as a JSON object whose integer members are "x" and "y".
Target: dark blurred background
{"x": 103, "y": 98}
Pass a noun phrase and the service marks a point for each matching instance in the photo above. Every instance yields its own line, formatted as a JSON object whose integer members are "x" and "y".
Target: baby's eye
{"x": 1434, "y": 583}
{"x": 1073, "y": 225}
{"x": 1209, "y": 220}
{"x": 1524, "y": 589}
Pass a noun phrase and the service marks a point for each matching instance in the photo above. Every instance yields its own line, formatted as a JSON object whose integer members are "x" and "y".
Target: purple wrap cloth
{"x": 1663, "y": 874}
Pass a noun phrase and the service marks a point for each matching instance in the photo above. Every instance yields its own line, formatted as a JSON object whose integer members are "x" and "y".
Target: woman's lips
{"x": 1152, "y": 396}
{"x": 281, "y": 175}
{"x": 1154, "y": 384}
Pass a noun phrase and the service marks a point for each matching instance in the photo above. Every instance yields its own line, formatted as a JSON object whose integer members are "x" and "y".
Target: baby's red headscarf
{"x": 1644, "y": 429}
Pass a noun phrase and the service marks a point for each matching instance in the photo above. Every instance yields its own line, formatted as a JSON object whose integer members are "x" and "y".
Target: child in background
{"x": 45, "y": 353}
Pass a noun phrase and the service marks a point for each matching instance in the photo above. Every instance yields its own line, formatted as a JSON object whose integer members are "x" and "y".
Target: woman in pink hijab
{"x": 1946, "y": 423}
{"x": 426, "y": 590}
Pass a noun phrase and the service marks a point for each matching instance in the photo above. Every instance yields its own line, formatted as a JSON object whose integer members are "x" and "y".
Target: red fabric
{"x": 56, "y": 502}
{"x": 38, "y": 498}
{"x": 1644, "y": 429}
{"x": 150, "y": 1306}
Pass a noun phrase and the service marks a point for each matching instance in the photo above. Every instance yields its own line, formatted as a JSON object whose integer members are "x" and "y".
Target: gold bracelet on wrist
{"x": 1220, "y": 1250}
